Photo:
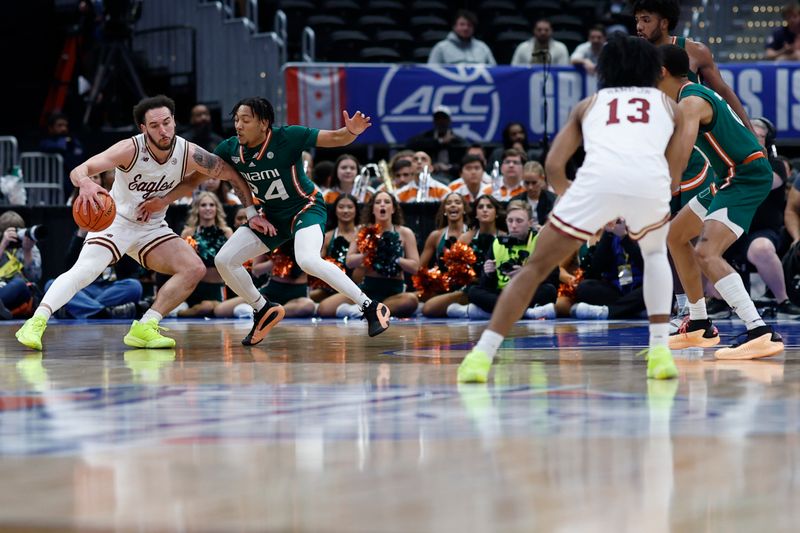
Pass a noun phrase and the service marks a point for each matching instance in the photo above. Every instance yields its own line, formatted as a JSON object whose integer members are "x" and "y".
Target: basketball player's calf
{"x": 175, "y": 258}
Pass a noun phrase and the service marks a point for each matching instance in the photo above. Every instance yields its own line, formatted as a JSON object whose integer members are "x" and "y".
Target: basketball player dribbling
{"x": 153, "y": 162}
{"x": 631, "y": 133}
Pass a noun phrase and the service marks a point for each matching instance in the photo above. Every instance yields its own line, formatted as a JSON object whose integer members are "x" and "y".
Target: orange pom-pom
{"x": 193, "y": 243}
{"x": 458, "y": 260}
{"x": 367, "y": 243}
{"x": 567, "y": 290}
{"x": 282, "y": 264}
{"x": 430, "y": 282}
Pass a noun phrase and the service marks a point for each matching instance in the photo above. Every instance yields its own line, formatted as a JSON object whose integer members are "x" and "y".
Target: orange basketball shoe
{"x": 760, "y": 342}
{"x": 694, "y": 334}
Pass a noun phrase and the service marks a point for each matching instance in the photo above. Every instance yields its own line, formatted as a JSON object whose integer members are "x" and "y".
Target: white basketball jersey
{"x": 625, "y": 133}
{"x": 145, "y": 177}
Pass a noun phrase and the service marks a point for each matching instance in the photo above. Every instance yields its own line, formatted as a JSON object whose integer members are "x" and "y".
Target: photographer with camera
{"x": 20, "y": 265}
{"x": 504, "y": 261}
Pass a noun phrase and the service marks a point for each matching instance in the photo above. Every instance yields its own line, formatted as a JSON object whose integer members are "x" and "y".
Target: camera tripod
{"x": 115, "y": 61}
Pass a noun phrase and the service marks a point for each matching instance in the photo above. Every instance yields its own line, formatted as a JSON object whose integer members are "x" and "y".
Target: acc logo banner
{"x": 407, "y": 97}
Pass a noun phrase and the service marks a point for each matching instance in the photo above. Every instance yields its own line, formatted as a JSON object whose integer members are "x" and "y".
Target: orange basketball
{"x": 96, "y": 221}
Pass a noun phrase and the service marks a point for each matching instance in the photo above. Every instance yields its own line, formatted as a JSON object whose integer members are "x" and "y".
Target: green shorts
{"x": 735, "y": 201}
{"x": 379, "y": 289}
{"x": 280, "y": 292}
{"x": 206, "y": 291}
{"x": 288, "y": 223}
{"x": 698, "y": 176}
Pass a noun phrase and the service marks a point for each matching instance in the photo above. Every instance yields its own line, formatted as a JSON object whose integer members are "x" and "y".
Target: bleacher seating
{"x": 9, "y": 153}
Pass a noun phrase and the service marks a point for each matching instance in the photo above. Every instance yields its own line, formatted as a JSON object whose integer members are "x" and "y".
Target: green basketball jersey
{"x": 274, "y": 170}
{"x": 726, "y": 142}
{"x": 681, "y": 41}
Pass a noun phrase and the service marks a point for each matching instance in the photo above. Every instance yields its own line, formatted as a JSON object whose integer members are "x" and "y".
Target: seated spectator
{"x": 542, "y": 48}
{"x": 476, "y": 149}
{"x": 510, "y": 175}
{"x": 201, "y": 132}
{"x": 763, "y": 243}
{"x": 287, "y": 285}
{"x": 239, "y": 218}
{"x": 536, "y": 194}
{"x": 396, "y": 254}
{"x": 20, "y": 267}
{"x": 445, "y": 147}
{"x": 114, "y": 294}
{"x": 586, "y": 54}
{"x": 435, "y": 189}
{"x": 206, "y": 230}
{"x": 505, "y": 259}
{"x": 452, "y": 219}
{"x": 337, "y": 241}
{"x": 480, "y": 238}
{"x": 345, "y": 172}
{"x": 514, "y": 136}
{"x": 401, "y": 173}
{"x": 470, "y": 185}
{"x": 612, "y": 278}
{"x": 60, "y": 141}
{"x": 460, "y": 45}
{"x": 782, "y": 44}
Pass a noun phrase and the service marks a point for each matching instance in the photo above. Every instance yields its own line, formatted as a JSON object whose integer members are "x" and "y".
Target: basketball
{"x": 96, "y": 221}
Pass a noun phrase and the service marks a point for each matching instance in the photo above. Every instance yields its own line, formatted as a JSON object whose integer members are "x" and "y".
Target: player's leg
{"x": 657, "y": 290}
{"x": 696, "y": 330}
{"x": 307, "y": 244}
{"x": 552, "y": 247}
{"x": 761, "y": 341}
{"x": 91, "y": 262}
{"x": 175, "y": 257}
{"x": 243, "y": 245}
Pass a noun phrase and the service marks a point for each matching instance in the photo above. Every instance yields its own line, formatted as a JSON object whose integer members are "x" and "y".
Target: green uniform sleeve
{"x": 301, "y": 138}
{"x": 225, "y": 149}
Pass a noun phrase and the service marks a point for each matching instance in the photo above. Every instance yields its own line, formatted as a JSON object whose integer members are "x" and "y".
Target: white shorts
{"x": 580, "y": 213}
{"x": 132, "y": 238}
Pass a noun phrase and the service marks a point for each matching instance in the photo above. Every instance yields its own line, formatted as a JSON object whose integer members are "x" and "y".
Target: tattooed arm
{"x": 212, "y": 165}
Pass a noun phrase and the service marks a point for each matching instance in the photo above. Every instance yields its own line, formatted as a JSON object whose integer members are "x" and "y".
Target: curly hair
{"x": 666, "y": 9}
{"x": 261, "y": 107}
{"x": 628, "y": 62}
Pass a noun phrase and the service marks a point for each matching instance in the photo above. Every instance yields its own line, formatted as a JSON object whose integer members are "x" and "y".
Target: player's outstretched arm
{"x": 353, "y": 127}
{"x": 119, "y": 155}
{"x": 564, "y": 145}
{"x": 707, "y": 68}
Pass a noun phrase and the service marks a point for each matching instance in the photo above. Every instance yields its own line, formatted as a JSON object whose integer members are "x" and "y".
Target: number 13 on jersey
{"x": 641, "y": 111}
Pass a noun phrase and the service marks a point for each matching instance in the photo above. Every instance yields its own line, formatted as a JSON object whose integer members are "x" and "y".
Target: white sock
{"x": 697, "y": 310}
{"x": 348, "y": 310}
{"x": 540, "y": 311}
{"x": 681, "y": 301}
{"x": 150, "y": 314}
{"x": 260, "y": 303}
{"x": 659, "y": 334}
{"x": 732, "y": 290}
{"x": 476, "y": 313}
{"x": 44, "y": 312}
{"x": 489, "y": 343}
{"x": 457, "y": 311}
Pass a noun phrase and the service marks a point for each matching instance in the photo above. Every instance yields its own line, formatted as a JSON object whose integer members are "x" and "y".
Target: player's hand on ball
{"x": 89, "y": 197}
{"x": 357, "y": 124}
{"x": 262, "y": 225}
{"x": 146, "y": 209}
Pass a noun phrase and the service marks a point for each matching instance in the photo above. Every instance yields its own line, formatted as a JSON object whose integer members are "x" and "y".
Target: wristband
{"x": 251, "y": 212}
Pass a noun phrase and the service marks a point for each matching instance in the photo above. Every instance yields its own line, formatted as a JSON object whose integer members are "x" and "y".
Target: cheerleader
{"x": 488, "y": 212}
{"x": 451, "y": 220}
{"x": 386, "y": 249}
{"x": 337, "y": 242}
{"x": 345, "y": 171}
